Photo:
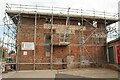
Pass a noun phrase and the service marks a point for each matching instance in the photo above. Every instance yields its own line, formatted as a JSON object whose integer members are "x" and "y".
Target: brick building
{"x": 114, "y": 51}
{"x": 49, "y": 40}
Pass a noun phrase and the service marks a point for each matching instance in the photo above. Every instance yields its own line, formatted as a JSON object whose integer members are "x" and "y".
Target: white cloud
{"x": 99, "y": 5}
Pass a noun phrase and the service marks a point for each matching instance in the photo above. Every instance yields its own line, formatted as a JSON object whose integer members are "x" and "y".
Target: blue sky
{"x": 99, "y": 5}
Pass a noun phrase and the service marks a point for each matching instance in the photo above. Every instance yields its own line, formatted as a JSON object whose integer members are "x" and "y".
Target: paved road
{"x": 70, "y": 74}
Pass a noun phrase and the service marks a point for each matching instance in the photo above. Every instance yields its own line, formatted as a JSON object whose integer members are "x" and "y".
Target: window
{"x": 47, "y": 44}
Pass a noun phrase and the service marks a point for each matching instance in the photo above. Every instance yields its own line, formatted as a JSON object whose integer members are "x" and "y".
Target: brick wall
{"x": 90, "y": 51}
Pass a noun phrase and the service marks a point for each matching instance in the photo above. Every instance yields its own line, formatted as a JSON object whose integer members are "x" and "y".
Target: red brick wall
{"x": 91, "y": 51}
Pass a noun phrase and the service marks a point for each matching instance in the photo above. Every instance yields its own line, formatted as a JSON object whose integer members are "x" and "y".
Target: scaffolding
{"x": 12, "y": 25}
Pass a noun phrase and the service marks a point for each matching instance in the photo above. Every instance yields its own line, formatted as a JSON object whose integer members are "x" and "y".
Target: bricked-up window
{"x": 47, "y": 44}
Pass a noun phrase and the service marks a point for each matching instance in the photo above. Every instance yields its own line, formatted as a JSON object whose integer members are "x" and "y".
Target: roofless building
{"x": 57, "y": 38}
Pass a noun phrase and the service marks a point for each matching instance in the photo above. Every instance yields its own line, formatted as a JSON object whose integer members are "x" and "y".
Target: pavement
{"x": 66, "y": 74}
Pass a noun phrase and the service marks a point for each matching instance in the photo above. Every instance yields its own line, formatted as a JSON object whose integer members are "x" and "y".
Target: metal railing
{"x": 60, "y": 10}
